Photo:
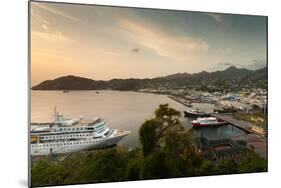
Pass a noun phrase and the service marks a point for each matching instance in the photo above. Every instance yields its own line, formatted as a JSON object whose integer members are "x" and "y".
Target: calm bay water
{"x": 122, "y": 110}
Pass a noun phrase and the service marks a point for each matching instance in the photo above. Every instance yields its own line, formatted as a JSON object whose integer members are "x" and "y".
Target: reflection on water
{"x": 122, "y": 110}
{"x": 225, "y": 131}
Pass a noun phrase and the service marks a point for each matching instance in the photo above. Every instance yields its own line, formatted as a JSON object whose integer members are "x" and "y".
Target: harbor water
{"x": 120, "y": 109}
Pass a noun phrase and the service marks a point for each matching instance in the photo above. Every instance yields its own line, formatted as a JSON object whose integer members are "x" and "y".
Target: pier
{"x": 180, "y": 100}
{"x": 244, "y": 125}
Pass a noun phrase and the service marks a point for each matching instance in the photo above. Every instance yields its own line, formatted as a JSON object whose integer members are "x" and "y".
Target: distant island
{"x": 230, "y": 78}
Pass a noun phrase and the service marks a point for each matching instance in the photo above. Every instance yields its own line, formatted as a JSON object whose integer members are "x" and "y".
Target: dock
{"x": 244, "y": 125}
{"x": 240, "y": 124}
{"x": 180, "y": 100}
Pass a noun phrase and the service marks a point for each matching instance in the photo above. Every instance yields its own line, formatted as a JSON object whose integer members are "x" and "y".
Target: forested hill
{"x": 240, "y": 76}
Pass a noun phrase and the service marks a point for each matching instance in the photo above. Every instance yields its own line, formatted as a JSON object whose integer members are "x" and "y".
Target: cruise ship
{"x": 71, "y": 135}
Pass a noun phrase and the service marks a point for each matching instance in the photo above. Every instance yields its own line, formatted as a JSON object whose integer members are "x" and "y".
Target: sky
{"x": 103, "y": 43}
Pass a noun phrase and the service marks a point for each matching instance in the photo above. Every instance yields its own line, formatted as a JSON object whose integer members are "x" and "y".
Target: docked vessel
{"x": 220, "y": 110}
{"x": 71, "y": 135}
{"x": 208, "y": 122}
{"x": 194, "y": 113}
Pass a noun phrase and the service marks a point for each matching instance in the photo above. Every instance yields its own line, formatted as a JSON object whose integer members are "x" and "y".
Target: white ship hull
{"x": 208, "y": 122}
{"x": 75, "y": 146}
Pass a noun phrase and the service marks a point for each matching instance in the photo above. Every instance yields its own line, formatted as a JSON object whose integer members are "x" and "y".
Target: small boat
{"x": 194, "y": 113}
{"x": 208, "y": 122}
{"x": 225, "y": 110}
{"x": 65, "y": 91}
{"x": 97, "y": 92}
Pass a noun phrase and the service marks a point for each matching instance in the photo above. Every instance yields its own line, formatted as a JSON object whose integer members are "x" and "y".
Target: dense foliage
{"x": 167, "y": 151}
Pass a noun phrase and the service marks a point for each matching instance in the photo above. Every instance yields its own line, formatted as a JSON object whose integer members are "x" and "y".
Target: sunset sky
{"x": 108, "y": 42}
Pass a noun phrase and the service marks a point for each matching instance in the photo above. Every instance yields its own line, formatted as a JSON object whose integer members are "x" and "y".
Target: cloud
{"x": 42, "y": 29}
{"x": 45, "y": 27}
{"x": 221, "y": 66}
{"x": 164, "y": 44}
{"x": 108, "y": 52}
{"x": 227, "y": 64}
{"x": 217, "y": 17}
{"x": 37, "y": 17}
{"x": 254, "y": 65}
{"x": 257, "y": 64}
{"x": 51, "y": 37}
{"x": 57, "y": 12}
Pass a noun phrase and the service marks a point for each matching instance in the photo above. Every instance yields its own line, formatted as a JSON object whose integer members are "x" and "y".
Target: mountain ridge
{"x": 239, "y": 75}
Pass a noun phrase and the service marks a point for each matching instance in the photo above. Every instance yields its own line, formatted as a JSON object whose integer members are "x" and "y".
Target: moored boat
{"x": 208, "y": 122}
{"x": 194, "y": 113}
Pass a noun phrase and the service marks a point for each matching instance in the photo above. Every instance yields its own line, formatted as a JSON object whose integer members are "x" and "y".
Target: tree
{"x": 182, "y": 157}
{"x": 254, "y": 163}
{"x": 166, "y": 119}
{"x": 40, "y": 174}
{"x": 106, "y": 165}
{"x": 227, "y": 167}
{"x": 133, "y": 169}
{"x": 154, "y": 166}
{"x": 173, "y": 148}
{"x": 191, "y": 158}
{"x": 208, "y": 168}
{"x": 147, "y": 136}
